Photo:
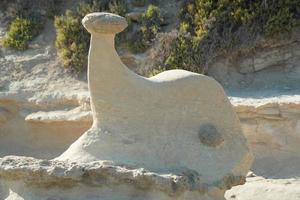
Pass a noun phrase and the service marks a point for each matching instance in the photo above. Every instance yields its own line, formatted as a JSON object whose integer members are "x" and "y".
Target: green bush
{"x": 20, "y": 32}
{"x": 220, "y": 26}
{"x": 183, "y": 54}
{"x": 72, "y": 40}
{"x": 284, "y": 17}
{"x": 202, "y": 15}
{"x": 118, "y": 7}
{"x": 154, "y": 72}
{"x": 27, "y": 8}
{"x": 137, "y": 43}
{"x": 27, "y": 19}
{"x": 149, "y": 26}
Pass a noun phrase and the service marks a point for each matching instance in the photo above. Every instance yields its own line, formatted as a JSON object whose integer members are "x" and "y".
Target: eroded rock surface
{"x": 138, "y": 123}
{"x": 154, "y": 123}
{"x": 47, "y": 174}
{"x": 269, "y": 66}
{"x": 271, "y": 126}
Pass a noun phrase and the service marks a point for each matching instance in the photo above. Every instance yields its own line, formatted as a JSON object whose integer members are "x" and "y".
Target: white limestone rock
{"x": 159, "y": 123}
{"x": 44, "y": 179}
{"x": 171, "y": 136}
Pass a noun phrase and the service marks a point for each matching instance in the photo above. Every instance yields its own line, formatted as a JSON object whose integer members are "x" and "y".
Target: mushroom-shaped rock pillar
{"x": 177, "y": 122}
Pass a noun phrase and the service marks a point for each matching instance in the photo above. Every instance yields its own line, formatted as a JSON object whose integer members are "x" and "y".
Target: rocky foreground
{"x": 43, "y": 121}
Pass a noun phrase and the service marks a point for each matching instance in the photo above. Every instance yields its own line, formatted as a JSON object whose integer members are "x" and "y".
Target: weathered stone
{"x": 297, "y": 128}
{"x": 4, "y": 113}
{"x": 210, "y": 136}
{"x": 144, "y": 141}
{"x": 269, "y": 111}
{"x": 136, "y": 118}
{"x": 273, "y": 57}
{"x": 134, "y": 16}
{"x": 246, "y": 66}
{"x": 271, "y": 126}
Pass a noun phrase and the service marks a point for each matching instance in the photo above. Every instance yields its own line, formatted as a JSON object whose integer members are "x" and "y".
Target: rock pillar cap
{"x": 104, "y": 23}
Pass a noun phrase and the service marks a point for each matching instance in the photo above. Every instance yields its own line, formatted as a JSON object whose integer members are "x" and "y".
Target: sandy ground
{"x": 260, "y": 188}
{"x": 274, "y": 178}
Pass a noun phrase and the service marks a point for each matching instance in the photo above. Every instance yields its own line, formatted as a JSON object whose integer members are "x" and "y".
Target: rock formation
{"x": 172, "y": 136}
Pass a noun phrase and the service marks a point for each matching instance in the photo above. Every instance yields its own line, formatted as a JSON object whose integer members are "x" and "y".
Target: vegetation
{"x": 27, "y": 20}
{"x": 72, "y": 40}
{"x": 204, "y": 15}
{"x": 155, "y": 72}
{"x": 209, "y": 28}
{"x": 149, "y": 27}
{"x": 30, "y": 8}
{"x": 20, "y": 32}
{"x": 182, "y": 54}
{"x": 118, "y": 6}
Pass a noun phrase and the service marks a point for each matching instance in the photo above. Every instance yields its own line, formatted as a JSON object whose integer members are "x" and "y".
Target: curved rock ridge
{"x": 178, "y": 125}
{"x": 51, "y": 173}
{"x": 175, "y": 120}
{"x": 157, "y": 123}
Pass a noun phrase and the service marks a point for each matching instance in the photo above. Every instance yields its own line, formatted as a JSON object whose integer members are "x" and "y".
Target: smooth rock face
{"x": 154, "y": 123}
{"x": 172, "y": 136}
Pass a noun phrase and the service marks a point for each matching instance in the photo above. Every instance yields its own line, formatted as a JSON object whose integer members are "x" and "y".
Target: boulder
{"x": 172, "y": 136}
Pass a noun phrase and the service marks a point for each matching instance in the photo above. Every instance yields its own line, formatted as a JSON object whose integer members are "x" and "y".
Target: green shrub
{"x": 137, "y": 42}
{"x": 151, "y": 21}
{"x": 147, "y": 31}
{"x": 283, "y": 18}
{"x": 27, "y": 8}
{"x": 72, "y": 40}
{"x": 220, "y": 26}
{"x": 119, "y": 7}
{"x": 27, "y": 19}
{"x": 183, "y": 54}
{"x": 154, "y": 72}
{"x": 20, "y": 32}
